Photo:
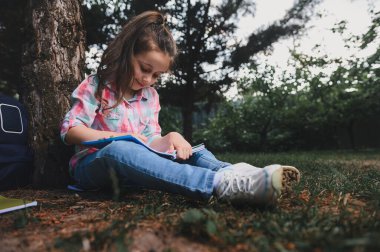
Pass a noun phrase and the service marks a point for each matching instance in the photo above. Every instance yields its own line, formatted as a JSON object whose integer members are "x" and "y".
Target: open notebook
{"x": 104, "y": 142}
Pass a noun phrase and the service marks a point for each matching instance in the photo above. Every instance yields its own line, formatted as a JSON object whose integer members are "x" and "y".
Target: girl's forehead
{"x": 157, "y": 60}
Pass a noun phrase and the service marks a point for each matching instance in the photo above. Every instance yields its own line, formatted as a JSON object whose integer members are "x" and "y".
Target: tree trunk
{"x": 187, "y": 115}
{"x": 52, "y": 66}
{"x": 351, "y": 135}
{"x": 188, "y": 107}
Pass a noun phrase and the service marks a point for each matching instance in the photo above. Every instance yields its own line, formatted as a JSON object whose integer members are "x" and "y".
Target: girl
{"x": 120, "y": 100}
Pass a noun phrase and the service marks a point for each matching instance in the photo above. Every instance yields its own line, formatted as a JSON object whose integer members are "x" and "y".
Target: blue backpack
{"x": 16, "y": 159}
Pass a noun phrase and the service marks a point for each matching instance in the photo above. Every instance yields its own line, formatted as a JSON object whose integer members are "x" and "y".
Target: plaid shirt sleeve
{"x": 84, "y": 106}
{"x": 153, "y": 129}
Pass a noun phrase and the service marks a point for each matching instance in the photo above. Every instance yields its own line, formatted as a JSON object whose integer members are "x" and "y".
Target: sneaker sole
{"x": 284, "y": 178}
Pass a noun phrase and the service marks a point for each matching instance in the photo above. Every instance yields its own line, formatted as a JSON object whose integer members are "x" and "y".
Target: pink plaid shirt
{"x": 136, "y": 115}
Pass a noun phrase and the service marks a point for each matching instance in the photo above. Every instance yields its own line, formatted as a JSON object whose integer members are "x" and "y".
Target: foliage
{"x": 308, "y": 108}
{"x": 289, "y": 25}
{"x": 104, "y": 18}
{"x": 204, "y": 38}
{"x": 255, "y": 121}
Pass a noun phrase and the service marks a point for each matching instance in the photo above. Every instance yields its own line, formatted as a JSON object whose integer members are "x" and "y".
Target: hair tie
{"x": 160, "y": 23}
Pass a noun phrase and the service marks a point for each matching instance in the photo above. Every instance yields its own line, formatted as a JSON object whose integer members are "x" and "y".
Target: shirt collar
{"x": 140, "y": 95}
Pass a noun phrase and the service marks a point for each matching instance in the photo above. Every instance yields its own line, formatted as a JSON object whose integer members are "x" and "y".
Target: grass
{"x": 334, "y": 208}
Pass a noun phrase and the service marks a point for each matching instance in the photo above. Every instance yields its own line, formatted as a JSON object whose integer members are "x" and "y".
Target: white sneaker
{"x": 244, "y": 183}
{"x": 283, "y": 177}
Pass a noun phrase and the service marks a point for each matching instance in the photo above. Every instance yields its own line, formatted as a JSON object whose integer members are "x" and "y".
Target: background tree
{"x": 265, "y": 102}
{"x": 203, "y": 32}
{"x": 104, "y": 18}
{"x": 293, "y": 21}
{"x": 52, "y": 66}
{"x": 306, "y": 107}
{"x": 11, "y": 37}
{"x": 205, "y": 40}
{"x": 349, "y": 96}
{"x": 255, "y": 121}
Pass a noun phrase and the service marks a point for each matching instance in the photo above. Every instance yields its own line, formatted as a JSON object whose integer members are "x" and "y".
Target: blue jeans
{"x": 134, "y": 165}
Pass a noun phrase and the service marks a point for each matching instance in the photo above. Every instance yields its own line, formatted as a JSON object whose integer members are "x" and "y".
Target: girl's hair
{"x": 143, "y": 33}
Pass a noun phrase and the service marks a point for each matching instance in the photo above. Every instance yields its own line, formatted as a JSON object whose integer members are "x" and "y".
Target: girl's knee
{"x": 204, "y": 152}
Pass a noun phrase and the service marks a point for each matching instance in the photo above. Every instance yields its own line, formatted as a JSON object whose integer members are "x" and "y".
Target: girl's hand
{"x": 173, "y": 141}
{"x": 178, "y": 143}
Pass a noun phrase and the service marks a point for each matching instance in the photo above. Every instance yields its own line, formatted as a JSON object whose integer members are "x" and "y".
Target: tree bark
{"x": 188, "y": 106}
{"x": 187, "y": 115}
{"x": 52, "y": 66}
{"x": 350, "y": 130}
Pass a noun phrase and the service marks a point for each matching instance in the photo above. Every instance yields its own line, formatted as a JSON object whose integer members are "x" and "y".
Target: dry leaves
{"x": 328, "y": 202}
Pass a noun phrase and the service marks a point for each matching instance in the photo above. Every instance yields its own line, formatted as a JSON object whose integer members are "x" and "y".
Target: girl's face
{"x": 148, "y": 67}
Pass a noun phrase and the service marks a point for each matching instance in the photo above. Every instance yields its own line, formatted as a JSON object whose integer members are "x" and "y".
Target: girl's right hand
{"x": 179, "y": 143}
{"x": 80, "y": 133}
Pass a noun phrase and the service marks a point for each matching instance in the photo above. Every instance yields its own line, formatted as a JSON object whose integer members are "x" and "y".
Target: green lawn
{"x": 336, "y": 207}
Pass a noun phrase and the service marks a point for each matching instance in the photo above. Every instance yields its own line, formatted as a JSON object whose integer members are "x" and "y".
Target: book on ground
{"x": 104, "y": 142}
{"x": 10, "y": 204}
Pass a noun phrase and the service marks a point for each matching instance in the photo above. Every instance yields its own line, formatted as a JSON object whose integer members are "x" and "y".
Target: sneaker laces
{"x": 237, "y": 185}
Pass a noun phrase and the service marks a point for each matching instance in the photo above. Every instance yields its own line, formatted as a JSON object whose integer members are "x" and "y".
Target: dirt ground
{"x": 62, "y": 217}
